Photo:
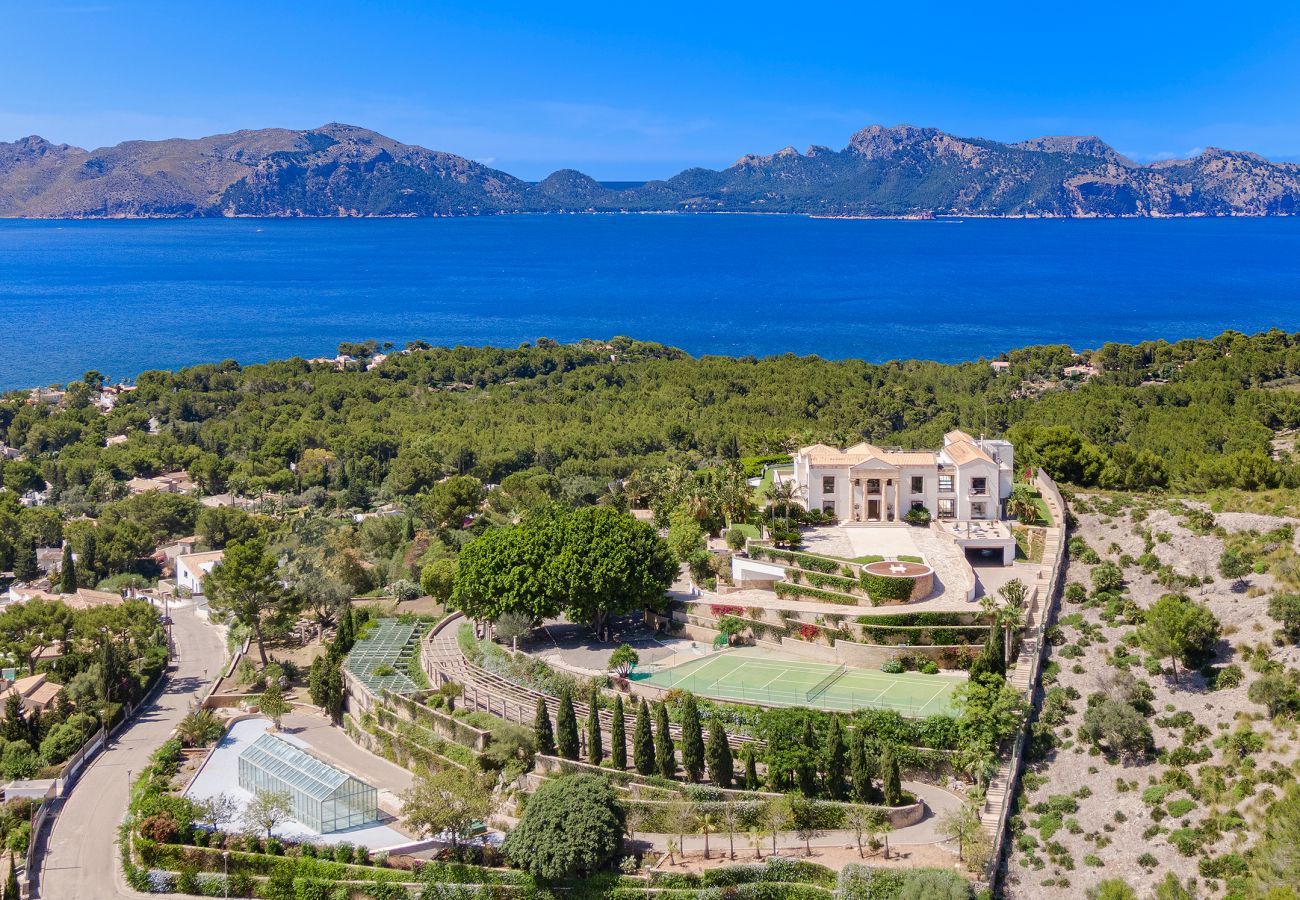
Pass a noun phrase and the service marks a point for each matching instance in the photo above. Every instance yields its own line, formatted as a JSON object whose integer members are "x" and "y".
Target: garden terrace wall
{"x": 555, "y": 766}
{"x": 439, "y": 723}
{"x": 942, "y": 637}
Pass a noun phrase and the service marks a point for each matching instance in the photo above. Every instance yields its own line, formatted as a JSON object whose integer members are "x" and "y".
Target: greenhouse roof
{"x": 317, "y": 779}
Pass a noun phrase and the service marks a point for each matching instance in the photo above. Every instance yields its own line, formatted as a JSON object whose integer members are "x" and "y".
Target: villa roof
{"x": 195, "y": 561}
{"x": 85, "y": 598}
{"x": 966, "y": 451}
{"x": 822, "y": 455}
{"x": 45, "y": 694}
{"x": 910, "y": 457}
{"x": 957, "y": 435}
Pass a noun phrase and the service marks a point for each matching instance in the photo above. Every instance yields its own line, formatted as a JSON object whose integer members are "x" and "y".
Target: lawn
{"x": 766, "y": 483}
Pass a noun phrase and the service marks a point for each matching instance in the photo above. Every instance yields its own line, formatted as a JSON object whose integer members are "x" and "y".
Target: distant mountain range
{"x": 343, "y": 170}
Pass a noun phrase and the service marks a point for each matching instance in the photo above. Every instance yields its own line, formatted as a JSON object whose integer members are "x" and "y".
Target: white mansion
{"x": 966, "y": 480}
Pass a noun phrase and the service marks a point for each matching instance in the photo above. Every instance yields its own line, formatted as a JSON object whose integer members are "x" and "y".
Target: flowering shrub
{"x": 721, "y": 609}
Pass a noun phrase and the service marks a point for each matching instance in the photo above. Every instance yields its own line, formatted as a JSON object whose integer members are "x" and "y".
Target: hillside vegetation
{"x": 595, "y": 411}
{"x": 343, "y": 170}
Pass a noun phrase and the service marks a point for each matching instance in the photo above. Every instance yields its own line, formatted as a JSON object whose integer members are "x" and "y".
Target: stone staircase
{"x": 1024, "y": 674}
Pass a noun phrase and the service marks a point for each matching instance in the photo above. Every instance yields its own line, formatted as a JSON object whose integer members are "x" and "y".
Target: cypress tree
{"x": 836, "y": 760}
{"x": 542, "y": 730}
{"x": 68, "y": 572}
{"x": 643, "y": 744}
{"x": 719, "y": 755}
{"x": 665, "y": 757}
{"x": 806, "y": 770}
{"x": 692, "y": 739}
{"x": 595, "y": 752}
{"x": 566, "y": 728}
{"x": 893, "y": 786}
{"x": 88, "y": 566}
{"x": 25, "y": 568}
{"x": 751, "y": 769}
{"x": 863, "y": 791}
{"x": 992, "y": 656}
{"x": 617, "y": 737}
{"x": 345, "y": 636}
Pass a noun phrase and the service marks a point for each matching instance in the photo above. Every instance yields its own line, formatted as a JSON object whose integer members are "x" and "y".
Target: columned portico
{"x": 965, "y": 480}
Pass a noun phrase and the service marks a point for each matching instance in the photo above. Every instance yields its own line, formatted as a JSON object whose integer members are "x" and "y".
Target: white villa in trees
{"x": 967, "y": 480}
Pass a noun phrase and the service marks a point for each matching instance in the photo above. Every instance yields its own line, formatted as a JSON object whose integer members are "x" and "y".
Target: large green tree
{"x": 590, "y": 563}
{"x": 451, "y": 801}
{"x": 571, "y": 826}
{"x": 1179, "y": 629}
{"x": 244, "y": 585}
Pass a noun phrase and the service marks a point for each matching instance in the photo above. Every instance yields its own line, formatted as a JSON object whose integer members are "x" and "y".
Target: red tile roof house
{"x": 35, "y": 692}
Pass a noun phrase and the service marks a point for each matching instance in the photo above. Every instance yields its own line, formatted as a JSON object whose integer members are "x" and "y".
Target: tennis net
{"x": 820, "y": 687}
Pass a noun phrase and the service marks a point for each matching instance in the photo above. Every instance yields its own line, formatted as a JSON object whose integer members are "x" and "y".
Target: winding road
{"x": 80, "y": 860}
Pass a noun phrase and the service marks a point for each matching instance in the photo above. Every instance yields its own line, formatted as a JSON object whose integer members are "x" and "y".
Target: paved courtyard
{"x": 575, "y": 647}
{"x": 220, "y": 775}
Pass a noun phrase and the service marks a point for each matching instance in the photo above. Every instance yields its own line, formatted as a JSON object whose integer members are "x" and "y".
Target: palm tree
{"x": 961, "y": 825}
{"x": 1009, "y": 616}
{"x": 781, "y": 491}
{"x": 730, "y": 819}
{"x": 707, "y": 823}
{"x": 1021, "y": 505}
{"x": 734, "y": 494}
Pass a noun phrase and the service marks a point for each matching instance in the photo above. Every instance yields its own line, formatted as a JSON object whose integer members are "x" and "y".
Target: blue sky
{"x": 642, "y": 90}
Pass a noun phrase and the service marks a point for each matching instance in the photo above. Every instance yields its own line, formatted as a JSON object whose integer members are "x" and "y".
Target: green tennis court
{"x": 755, "y": 676}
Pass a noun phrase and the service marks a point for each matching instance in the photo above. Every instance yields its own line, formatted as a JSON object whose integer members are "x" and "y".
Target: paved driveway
{"x": 81, "y": 860}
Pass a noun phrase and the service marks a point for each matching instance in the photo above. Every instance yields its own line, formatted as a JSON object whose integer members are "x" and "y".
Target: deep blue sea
{"x": 124, "y": 296}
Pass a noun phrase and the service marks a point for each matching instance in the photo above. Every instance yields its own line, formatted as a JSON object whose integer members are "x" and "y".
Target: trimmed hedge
{"x": 921, "y": 619}
{"x": 925, "y": 635}
{"x": 809, "y": 561}
{"x": 880, "y": 587}
{"x": 786, "y": 589}
{"x": 836, "y": 582}
{"x": 777, "y": 870}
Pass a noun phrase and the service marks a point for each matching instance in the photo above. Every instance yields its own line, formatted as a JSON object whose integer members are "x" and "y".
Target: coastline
{"x": 866, "y": 217}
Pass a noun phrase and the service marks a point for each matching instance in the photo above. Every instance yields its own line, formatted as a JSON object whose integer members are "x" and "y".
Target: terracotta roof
{"x": 85, "y": 598}
{"x": 909, "y": 457}
{"x": 46, "y": 694}
{"x": 820, "y": 454}
{"x": 194, "y": 561}
{"x": 956, "y": 435}
{"x": 33, "y": 690}
{"x": 965, "y": 451}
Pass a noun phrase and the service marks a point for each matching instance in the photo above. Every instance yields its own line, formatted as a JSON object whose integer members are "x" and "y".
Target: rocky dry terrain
{"x": 1191, "y": 806}
{"x": 343, "y": 170}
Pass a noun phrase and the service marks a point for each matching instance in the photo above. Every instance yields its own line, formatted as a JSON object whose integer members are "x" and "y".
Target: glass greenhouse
{"x": 322, "y": 797}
